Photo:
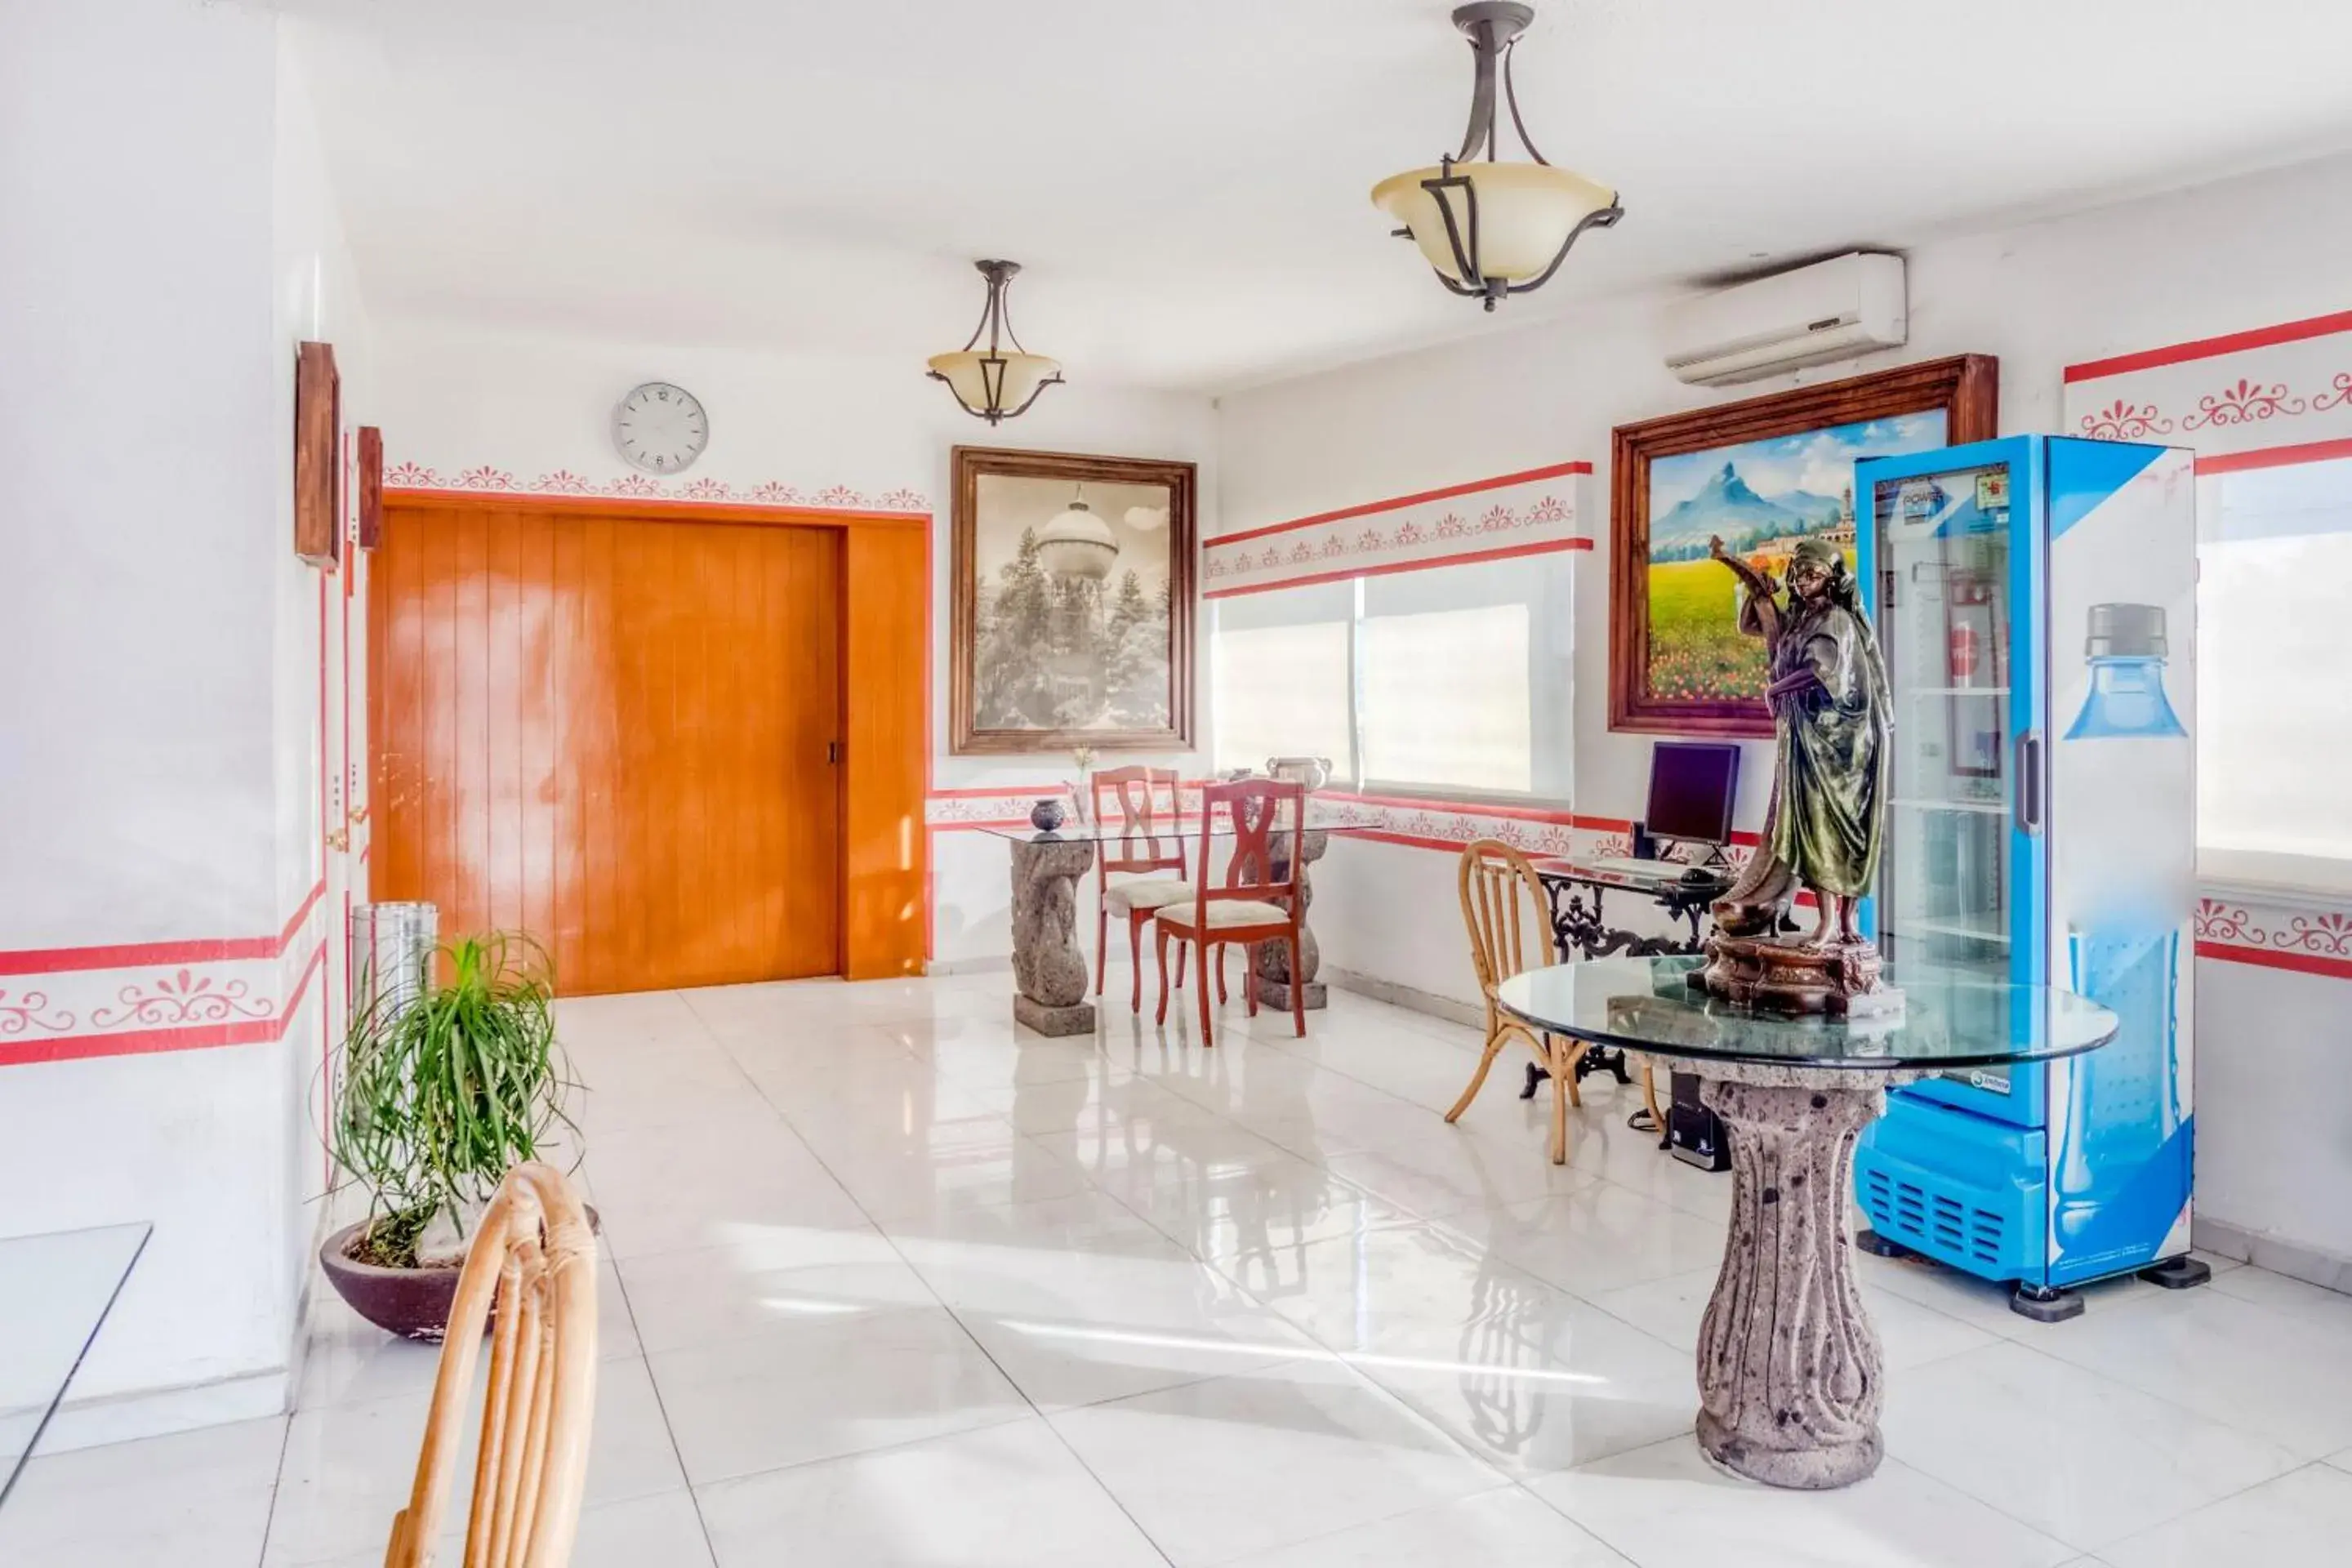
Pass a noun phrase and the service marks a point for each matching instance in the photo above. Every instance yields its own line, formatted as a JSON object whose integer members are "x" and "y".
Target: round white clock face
{"x": 660, "y": 428}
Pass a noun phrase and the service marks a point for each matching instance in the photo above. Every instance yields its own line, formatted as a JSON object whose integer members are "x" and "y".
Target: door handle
{"x": 2028, "y": 782}
{"x": 833, "y": 752}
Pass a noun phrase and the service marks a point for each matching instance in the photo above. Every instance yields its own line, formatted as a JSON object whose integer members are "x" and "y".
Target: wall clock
{"x": 660, "y": 428}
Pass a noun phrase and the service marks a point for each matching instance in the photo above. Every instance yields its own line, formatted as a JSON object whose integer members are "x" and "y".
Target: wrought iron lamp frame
{"x": 1493, "y": 27}
{"x": 995, "y": 318}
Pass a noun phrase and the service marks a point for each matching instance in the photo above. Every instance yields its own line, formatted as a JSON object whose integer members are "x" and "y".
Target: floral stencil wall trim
{"x": 635, "y": 487}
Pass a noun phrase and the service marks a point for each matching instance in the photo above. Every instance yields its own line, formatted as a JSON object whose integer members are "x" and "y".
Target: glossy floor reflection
{"x": 887, "y": 1283}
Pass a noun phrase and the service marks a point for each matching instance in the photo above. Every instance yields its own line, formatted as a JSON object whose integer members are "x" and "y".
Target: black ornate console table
{"x": 1575, "y": 888}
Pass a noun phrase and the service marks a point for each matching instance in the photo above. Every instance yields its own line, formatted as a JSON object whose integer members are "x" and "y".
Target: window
{"x": 1445, "y": 697}
{"x": 1280, "y": 685}
{"x": 1451, "y": 680}
{"x": 2274, "y": 705}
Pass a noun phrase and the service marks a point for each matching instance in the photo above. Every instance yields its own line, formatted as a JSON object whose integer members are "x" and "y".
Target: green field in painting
{"x": 1695, "y": 648}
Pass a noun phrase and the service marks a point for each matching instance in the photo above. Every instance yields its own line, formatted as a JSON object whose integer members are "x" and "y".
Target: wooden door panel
{"x": 611, "y": 733}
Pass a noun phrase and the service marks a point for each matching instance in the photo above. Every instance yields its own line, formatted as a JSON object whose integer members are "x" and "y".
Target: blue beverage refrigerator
{"x": 2035, "y": 600}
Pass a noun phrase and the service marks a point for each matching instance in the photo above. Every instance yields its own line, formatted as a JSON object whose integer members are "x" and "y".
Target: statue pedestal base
{"x": 1840, "y": 979}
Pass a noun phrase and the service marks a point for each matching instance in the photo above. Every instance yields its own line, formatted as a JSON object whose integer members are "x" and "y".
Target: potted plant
{"x": 438, "y": 1095}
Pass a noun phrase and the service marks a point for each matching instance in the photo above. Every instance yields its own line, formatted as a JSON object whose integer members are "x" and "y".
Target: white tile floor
{"x": 889, "y": 1284}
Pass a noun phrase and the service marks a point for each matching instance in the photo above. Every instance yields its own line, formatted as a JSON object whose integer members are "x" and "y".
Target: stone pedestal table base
{"x": 1049, "y": 972}
{"x": 1789, "y": 1376}
{"x": 1270, "y": 961}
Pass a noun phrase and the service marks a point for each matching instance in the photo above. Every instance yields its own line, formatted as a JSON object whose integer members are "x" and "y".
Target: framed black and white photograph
{"x": 1073, "y": 602}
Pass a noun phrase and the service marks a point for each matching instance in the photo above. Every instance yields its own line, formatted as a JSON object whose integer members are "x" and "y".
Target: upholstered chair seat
{"x": 1226, "y": 914}
{"x": 1147, "y": 893}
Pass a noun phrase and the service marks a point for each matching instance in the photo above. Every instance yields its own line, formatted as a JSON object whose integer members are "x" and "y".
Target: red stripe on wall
{"x": 2275, "y": 457}
{"x": 294, "y": 926}
{"x": 1548, "y": 547}
{"x": 144, "y": 954}
{"x": 1555, "y": 471}
{"x": 2206, "y": 348}
{"x": 2266, "y": 958}
{"x": 1411, "y": 840}
{"x": 1409, "y": 802}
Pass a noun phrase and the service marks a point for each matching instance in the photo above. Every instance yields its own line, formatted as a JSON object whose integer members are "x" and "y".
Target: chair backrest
{"x": 1257, "y": 810}
{"x": 1504, "y": 906}
{"x": 1138, "y": 791}
{"x": 533, "y": 1256}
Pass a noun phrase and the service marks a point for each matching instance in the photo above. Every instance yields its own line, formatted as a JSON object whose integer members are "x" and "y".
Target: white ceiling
{"x": 1185, "y": 181}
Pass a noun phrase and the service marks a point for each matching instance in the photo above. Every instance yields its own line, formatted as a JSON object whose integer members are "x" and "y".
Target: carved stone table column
{"x": 1048, "y": 971}
{"x": 1270, "y": 961}
{"x": 1789, "y": 1374}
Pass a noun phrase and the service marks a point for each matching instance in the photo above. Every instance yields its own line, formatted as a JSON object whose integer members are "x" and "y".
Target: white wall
{"x": 318, "y": 615}
{"x": 2225, "y": 258}
{"x": 166, "y": 230}
{"x": 455, "y": 396}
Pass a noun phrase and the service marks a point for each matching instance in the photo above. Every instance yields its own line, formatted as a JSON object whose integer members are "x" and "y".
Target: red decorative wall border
{"x": 409, "y": 476}
{"x": 2309, "y": 942}
{"x": 136, "y": 998}
{"x": 2256, "y": 399}
{"x": 1533, "y": 513}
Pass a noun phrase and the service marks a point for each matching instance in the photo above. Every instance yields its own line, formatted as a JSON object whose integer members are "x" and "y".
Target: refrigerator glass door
{"x": 1956, "y": 589}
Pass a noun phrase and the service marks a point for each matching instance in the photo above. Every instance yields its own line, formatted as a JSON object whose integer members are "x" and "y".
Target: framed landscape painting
{"x": 1759, "y": 475}
{"x": 1071, "y": 604}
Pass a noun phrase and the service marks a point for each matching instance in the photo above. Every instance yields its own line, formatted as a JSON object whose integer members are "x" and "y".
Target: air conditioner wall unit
{"x": 1833, "y": 310}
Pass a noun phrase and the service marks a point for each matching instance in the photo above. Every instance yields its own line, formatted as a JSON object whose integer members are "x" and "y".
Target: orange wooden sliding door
{"x": 619, "y": 734}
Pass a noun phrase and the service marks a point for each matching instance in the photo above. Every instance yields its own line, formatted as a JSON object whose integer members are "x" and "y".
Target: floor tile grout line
{"x": 278, "y": 1475}
{"x": 1330, "y": 1355}
{"x": 2001, "y": 1342}
{"x": 973, "y": 1339}
{"x": 678, "y": 1450}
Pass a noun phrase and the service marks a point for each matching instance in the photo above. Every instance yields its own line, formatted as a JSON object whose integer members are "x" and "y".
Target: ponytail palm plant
{"x": 438, "y": 1094}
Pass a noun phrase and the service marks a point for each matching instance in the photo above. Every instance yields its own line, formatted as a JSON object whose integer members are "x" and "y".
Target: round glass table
{"x": 1790, "y": 1376}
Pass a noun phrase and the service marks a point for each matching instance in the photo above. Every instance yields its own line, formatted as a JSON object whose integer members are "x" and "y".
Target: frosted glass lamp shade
{"x": 1526, "y": 214}
{"x": 1000, "y": 383}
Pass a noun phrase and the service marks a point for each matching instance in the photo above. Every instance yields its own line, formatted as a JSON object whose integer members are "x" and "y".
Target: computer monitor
{"x": 1692, "y": 784}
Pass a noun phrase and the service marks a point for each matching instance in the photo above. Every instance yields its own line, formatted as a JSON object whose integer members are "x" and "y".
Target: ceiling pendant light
{"x": 992, "y": 384}
{"x": 1492, "y": 228}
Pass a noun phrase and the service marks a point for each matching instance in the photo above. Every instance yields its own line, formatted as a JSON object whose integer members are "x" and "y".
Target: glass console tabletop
{"x": 1093, "y": 833}
{"x": 1948, "y": 1019}
{"x": 55, "y": 1291}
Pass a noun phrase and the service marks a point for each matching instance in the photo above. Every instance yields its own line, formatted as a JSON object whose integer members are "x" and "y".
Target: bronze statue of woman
{"x": 1831, "y": 717}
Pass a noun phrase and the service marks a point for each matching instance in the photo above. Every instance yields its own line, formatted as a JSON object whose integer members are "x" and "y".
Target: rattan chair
{"x": 533, "y": 1255}
{"x": 1503, "y": 905}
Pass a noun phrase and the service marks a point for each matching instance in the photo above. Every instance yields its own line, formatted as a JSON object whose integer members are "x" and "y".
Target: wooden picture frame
{"x": 318, "y": 443}
{"x": 1644, "y": 694}
{"x": 1002, "y": 703}
{"x": 370, "y": 461}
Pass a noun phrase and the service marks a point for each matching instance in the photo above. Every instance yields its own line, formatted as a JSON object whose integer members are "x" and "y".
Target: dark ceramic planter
{"x": 411, "y": 1302}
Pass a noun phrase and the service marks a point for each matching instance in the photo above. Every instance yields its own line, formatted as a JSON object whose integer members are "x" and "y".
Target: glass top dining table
{"x": 1947, "y": 1019}
{"x": 1790, "y": 1376}
{"x": 54, "y": 1292}
{"x": 1096, "y": 833}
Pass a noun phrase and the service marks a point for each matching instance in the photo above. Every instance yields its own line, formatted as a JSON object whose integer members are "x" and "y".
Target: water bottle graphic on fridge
{"x": 2123, "y": 949}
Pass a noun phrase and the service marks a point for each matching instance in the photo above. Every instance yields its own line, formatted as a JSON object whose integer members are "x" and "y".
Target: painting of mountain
{"x": 1728, "y": 508}
{"x": 1753, "y": 496}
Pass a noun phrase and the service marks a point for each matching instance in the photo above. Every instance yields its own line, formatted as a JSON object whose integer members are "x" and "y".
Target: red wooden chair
{"x": 1253, "y": 906}
{"x": 1143, "y": 849}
